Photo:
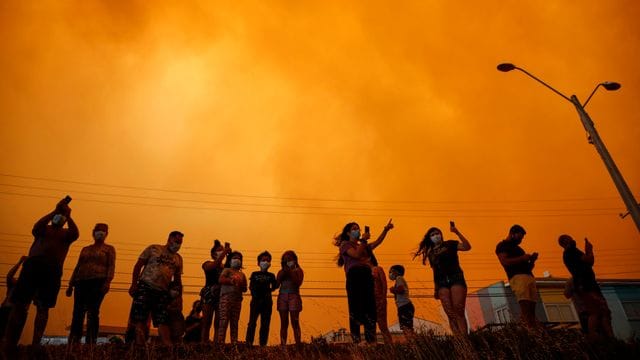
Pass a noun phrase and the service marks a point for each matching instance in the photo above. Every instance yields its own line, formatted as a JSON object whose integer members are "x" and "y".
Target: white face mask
{"x": 291, "y": 263}
{"x": 99, "y": 235}
{"x": 58, "y": 220}
{"x": 218, "y": 254}
{"x": 392, "y": 276}
{"x": 264, "y": 265}
{"x": 436, "y": 238}
{"x": 236, "y": 263}
{"x": 174, "y": 247}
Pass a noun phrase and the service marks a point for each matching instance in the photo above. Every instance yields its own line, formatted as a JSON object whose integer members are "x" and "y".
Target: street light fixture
{"x": 594, "y": 138}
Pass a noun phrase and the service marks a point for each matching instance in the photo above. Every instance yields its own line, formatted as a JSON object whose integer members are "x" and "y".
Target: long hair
{"x": 425, "y": 245}
{"x": 338, "y": 240}
{"x": 216, "y": 246}
{"x": 290, "y": 253}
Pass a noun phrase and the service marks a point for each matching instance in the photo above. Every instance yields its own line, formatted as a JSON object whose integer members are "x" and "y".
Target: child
{"x": 232, "y": 284}
{"x": 400, "y": 290}
{"x": 261, "y": 284}
{"x": 289, "y": 301}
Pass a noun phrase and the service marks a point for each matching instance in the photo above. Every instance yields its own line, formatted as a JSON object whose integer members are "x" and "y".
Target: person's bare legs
{"x": 165, "y": 334}
{"x": 528, "y": 313}
{"x": 284, "y": 326}
{"x": 447, "y": 305}
{"x": 295, "y": 325}
{"x": 15, "y": 325}
{"x": 207, "y": 320}
{"x": 39, "y": 324}
{"x": 459, "y": 299}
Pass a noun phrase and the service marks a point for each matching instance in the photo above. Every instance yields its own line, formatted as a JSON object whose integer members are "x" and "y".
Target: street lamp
{"x": 594, "y": 138}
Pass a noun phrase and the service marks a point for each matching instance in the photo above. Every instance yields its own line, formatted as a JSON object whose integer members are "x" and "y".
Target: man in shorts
{"x": 519, "y": 265}
{"x": 39, "y": 280}
{"x": 156, "y": 268}
{"x": 586, "y": 288}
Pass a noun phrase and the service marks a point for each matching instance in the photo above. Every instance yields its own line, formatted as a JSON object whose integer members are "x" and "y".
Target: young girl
{"x": 448, "y": 278}
{"x": 289, "y": 279}
{"x": 210, "y": 293}
{"x": 232, "y": 284}
{"x": 380, "y": 291}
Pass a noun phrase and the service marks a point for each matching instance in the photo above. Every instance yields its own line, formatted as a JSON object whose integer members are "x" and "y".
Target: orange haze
{"x": 275, "y": 123}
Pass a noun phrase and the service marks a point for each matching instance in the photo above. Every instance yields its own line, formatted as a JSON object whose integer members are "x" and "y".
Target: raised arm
{"x": 464, "y": 244}
{"x": 297, "y": 276}
{"x": 588, "y": 252}
{"x": 383, "y": 234}
{"x": 73, "y": 232}
{"x": 12, "y": 272}
{"x": 40, "y": 226}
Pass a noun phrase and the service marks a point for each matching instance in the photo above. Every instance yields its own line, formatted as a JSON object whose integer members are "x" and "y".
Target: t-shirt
{"x": 350, "y": 262}
{"x": 95, "y": 262}
{"x": 444, "y": 261}
{"x": 51, "y": 244}
{"x": 513, "y": 250}
{"x": 403, "y": 298}
{"x": 287, "y": 285}
{"x": 261, "y": 284}
{"x": 582, "y": 272}
{"x": 235, "y": 291}
{"x": 160, "y": 266}
{"x": 212, "y": 276}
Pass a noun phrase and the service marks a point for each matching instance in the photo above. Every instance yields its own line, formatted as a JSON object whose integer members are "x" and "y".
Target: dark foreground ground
{"x": 511, "y": 342}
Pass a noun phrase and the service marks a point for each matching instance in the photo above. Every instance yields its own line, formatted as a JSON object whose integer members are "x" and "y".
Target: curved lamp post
{"x": 594, "y": 138}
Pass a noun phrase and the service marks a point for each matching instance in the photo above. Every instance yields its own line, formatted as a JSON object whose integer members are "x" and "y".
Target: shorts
{"x": 210, "y": 294}
{"x": 38, "y": 282}
{"x": 405, "y": 316}
{"x": 524, "y": 287}
{"x": 289, "y": 302}
{"x": 449, "y": 281}
{"x": 149, "y": 300}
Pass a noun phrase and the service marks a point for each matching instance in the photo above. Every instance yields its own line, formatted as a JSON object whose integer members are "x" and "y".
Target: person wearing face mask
{"x": 39, "y": 280}
{"x": 156, "y": 268}
{"x": 261, "y": 283}
{"x": 290, "y": 279}
{"x": 232, "y": 284}
{"x": 448, "y": 277}
{"x": 354, "y": 255}
{"x": 91, "y": 280}
{"x": 210, "y": 293}
{"x": 519, "y": 268}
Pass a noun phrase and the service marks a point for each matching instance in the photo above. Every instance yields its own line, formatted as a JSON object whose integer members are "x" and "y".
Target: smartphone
{"x": 67, "y": 199}
{"x": 366, "y": 229}
{"x": 452, "y": 224}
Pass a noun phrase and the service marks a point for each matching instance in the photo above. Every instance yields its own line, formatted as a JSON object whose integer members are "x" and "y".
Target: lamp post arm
{"x": 616, "y": 176}
{"x": 543, "y": 83}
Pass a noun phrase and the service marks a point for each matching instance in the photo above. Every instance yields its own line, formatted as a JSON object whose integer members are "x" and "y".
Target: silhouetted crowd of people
{"x": 156, "y": 286}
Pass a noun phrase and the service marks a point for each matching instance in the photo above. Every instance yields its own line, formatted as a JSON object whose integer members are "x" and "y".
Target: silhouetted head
{"x": 566, "y": 241}
{"x": 100, "y": 232}
{"x": 216, "y": 249}
{"x": 432, "y": 237}
{"x": 516, "y": 234}
{"x": 234, "y": 260}
{"x": 289, "y": 259}
{"x": 174, "y": 242}
{"x": 396, "y": 270}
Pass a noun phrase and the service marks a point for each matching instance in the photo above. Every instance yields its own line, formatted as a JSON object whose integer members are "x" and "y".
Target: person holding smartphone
{"x": 41, "y": 274}
{"x": 448, "y": 277}
{"x": 354, "y": 256}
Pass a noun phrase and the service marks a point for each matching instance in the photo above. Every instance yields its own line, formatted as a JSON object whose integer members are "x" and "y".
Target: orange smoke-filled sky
{"x": 272, "y": 124}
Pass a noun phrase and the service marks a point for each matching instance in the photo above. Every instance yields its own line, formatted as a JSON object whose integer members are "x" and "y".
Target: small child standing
{"x": 400, "y": 290}
{"x": 261, "y": 283}
{"x": 232, "y": 284}
{"x": 290, "y": 279}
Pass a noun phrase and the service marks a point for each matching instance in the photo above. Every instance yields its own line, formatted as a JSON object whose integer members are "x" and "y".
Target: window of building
{"x": 631, "y": 309}
{"x": 562, "y": 312}
{"x": 503, "y": 315}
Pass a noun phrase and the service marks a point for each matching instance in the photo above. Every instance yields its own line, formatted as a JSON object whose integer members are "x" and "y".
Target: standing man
{"x": 91, "y": 279}
{"x": 519, "y": 265}
{"x": 157, "y": 267}
{"x": 586, "y": 288}
{"x": 39, "y": 280}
